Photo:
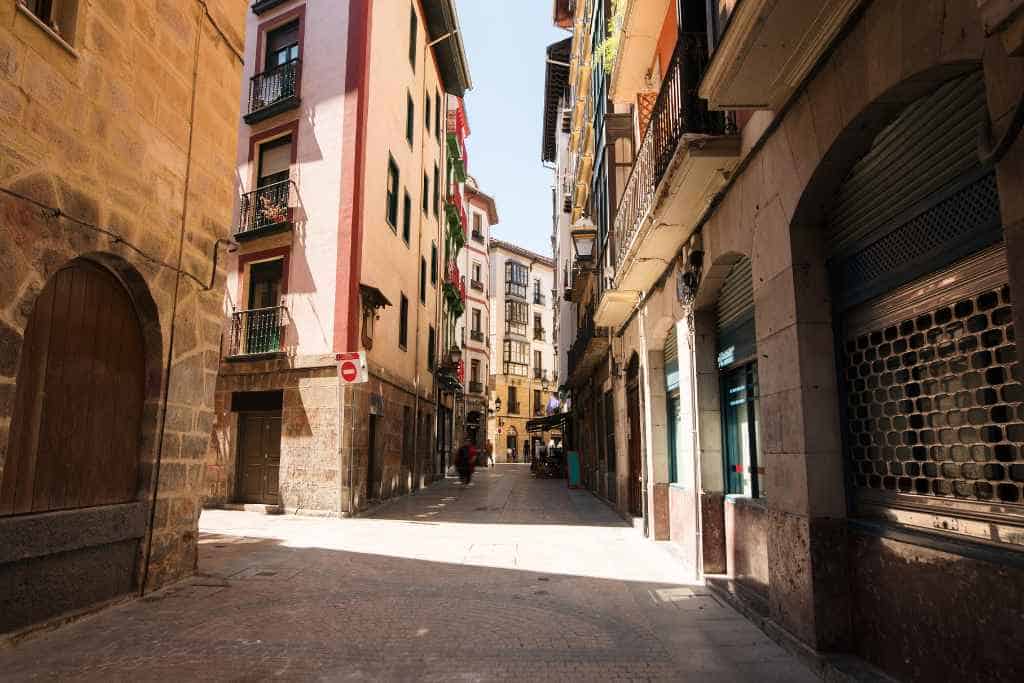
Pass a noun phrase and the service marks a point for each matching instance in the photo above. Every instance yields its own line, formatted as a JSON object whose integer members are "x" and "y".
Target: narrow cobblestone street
{"x": 511, "y": 579}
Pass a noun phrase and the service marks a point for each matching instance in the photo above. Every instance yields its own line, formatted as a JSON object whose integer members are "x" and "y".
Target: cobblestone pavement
{"x": 512, "y": 578}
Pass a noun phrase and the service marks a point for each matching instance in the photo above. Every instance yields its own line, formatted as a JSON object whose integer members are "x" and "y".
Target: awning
{"x": 546, "y": 424}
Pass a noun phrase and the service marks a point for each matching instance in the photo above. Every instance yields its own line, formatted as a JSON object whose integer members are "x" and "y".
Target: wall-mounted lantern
{"x": 584, "y": 238}
{"x": 372, "y": 300}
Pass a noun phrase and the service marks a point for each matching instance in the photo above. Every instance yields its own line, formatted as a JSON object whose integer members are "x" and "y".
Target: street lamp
{"x": 455, "y": 355}
{"x": 497, "y": 405}
{"x": 584, "y": 236}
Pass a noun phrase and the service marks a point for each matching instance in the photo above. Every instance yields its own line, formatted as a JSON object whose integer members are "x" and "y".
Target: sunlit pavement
{"x": 513, "y": 578}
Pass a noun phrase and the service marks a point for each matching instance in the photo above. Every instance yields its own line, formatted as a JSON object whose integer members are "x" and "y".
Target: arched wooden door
{"x": 75, "y": 430}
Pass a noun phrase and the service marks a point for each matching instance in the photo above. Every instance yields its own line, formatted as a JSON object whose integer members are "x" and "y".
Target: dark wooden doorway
{"x": 76, "y": 426}
{"x": 259, "y": 450}
{"x": 636, "y": 461}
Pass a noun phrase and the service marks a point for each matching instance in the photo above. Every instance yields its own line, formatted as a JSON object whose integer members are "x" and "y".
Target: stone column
{"x": 709, "y": 443}
{"x": 807, "y": 556}
{"x": 684, "y": 501}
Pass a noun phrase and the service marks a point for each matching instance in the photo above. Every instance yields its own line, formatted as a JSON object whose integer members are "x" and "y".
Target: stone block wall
{"x": 309, "y": 476}
{"x": 120, "y": 144}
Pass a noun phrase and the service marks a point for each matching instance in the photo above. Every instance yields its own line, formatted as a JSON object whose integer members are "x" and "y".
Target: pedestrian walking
{"x": 490, "y": 453}
{"x": 526, "y": 452}
{"x": 465, "y": 459}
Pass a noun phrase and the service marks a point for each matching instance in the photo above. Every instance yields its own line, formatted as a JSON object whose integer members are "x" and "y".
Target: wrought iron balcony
{"x": 478, "y": 236}
{"x": 678, "y": 111}
{"x": 539, "y": 334}
{"x": 264, "y": 210}
{"x": 539, "y": 298}
{"x": 476, "y": 387}
{"x": 513, "y": 407}
{"x": 256, "y": 332}
{"x": 476, "y": 335}
{"x": 274, "y": 91}
{"x": 540, "y": 373}
{"x": 477, "y": 285}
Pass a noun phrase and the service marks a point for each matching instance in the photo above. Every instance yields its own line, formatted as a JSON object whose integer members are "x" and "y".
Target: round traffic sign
{"x": 349, "y": 371}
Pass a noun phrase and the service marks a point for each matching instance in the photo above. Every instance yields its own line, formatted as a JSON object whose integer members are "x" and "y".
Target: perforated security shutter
{"x": 672, "y": 360}
{"x": 736, "y": 335}
{"x": 918, "y": 200}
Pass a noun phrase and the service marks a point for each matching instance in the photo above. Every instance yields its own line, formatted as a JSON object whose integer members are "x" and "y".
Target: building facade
{"x": 794, "y": 354}
{"x": 115, "y": 207}
{"x": 522, "y": 348}
{"x": 474, "y": 262}
{"x": 341, "y": 231}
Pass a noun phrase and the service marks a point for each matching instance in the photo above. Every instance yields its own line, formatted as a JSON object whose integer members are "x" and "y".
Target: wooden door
{"x": 635, "y": 464}
{"x": 259, "y": 451}
{"x": 76, "y": 426}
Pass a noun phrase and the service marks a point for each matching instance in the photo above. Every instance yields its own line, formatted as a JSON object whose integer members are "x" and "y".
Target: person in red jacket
{"x": 465, "y": 461}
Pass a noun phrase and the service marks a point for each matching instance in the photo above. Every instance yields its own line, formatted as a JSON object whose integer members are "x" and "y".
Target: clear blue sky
{"x": 506, "y": 42}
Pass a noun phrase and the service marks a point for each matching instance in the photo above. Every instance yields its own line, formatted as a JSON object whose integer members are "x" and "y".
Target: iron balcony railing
{"x": 540, "y": 373}
{"x": 264, "y": 207}
{"x": 476, "y": 387}
{"x": 476, "y": 335}
{"x": 256, "y": 331}
{"x": 477, "y": 285}
{"x": 274, "y": 86}
{"x": 513, "y": 408}
{"x": 677, "y": 111}
{"x": 539, "y": 298}
{"x": 539, "y": 334}
{"x": 584, "y": 334}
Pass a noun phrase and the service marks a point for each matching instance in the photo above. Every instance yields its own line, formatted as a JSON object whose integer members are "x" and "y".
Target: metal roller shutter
{"x": 918, "y": 200}
{"x": 736, "y": 335}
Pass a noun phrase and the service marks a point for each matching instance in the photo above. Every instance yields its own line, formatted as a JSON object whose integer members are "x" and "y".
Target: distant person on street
{"x": 465, "y": 459}
{"x": 490, "y": 453}
{"x": 526, "y": 452}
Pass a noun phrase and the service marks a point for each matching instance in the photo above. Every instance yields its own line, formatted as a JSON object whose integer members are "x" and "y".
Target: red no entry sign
{"x": 352, "y": 367}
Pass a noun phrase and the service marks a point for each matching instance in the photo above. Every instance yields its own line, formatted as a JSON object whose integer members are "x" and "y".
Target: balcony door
{"x": 282, "y": 46}
{"x": 275, "y": 161}
{"x": 262, "y": 323}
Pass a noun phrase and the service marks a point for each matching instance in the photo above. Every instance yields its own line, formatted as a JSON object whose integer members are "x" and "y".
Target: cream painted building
{"x": 341, "y": 171}
{"x": 522, "y": 349}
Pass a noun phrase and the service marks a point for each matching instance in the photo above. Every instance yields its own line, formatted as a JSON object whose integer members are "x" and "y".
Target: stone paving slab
{"x": 512, "y": 578}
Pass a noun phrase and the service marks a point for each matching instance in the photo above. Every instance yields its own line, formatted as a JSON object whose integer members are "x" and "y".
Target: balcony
{"x": 540, "y": 373}
{"x": 539, "y": 299}
{"x": 769, "y": 48}
{"x": 274, "y": 91}
{"x": 590, "y": 347}
{"x": 476, "y": 335}
{"x": 476, "y": 387}
{"x": 258, "y": 332}
{"x": 264, "y": 211}
{"x": 638, "y": 42}
{"x": 539, "y": 334}
{"x": 513, "y": 407}
{"x": 683, "y": 160}
{"x": 477, "y": 285}
{"x": 477, "y": 236}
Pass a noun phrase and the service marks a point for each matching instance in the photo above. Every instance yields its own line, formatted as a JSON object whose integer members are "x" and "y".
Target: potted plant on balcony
{"x": 273, "y": 210}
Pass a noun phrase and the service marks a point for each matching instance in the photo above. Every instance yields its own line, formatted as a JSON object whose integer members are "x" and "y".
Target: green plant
{"x": 608, "y": 50}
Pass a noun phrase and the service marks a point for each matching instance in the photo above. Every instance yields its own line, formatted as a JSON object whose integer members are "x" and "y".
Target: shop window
{"x": 742, "y": 432}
